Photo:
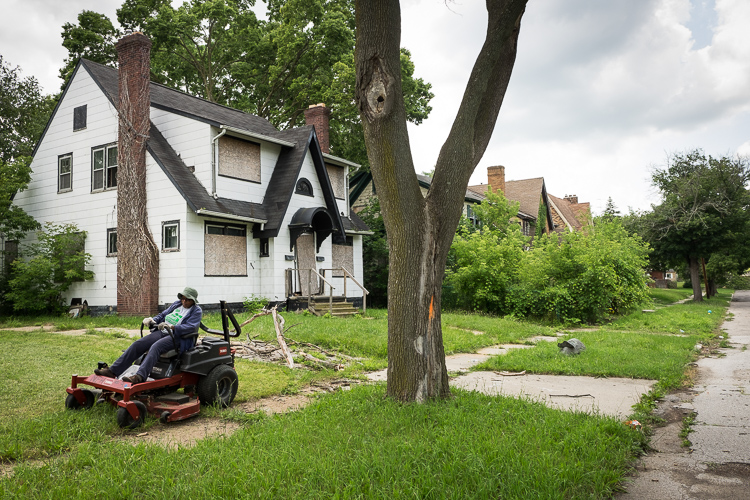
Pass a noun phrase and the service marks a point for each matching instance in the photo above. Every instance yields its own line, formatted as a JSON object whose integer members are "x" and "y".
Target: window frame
{"x": 164, "y": 226}
{"x": 108, "y": 172}
{"x": 264, "y": 248}
{"x": 111, "y": 231}
{"x": 69, "y": 174}
{"x": 302, "y": 185}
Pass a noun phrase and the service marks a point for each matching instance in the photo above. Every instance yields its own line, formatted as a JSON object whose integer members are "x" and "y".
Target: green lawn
{"x": 353, "y": 444}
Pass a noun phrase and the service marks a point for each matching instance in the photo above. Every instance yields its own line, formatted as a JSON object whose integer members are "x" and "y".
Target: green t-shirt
{"x": 175, "y": 317}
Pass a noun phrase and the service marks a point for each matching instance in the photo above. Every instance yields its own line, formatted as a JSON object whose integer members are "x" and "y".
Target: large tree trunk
{"x": 420, "y": 230}
{"x": 695, "y": 278}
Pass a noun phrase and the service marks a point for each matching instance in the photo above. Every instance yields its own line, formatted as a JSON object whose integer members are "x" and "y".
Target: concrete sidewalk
{"x": 717, "y": 465}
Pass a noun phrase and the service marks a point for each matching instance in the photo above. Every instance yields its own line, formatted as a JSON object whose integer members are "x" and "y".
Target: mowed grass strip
{"x": 356, "y": 444}
{"x": 607, "y": 354}
{"x": 666, "y": 296}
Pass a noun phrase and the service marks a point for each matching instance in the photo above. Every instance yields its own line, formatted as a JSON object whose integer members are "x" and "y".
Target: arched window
{"x": 304, "y": 187}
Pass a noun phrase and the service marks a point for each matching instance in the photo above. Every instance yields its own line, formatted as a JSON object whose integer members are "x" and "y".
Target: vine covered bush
{"x": 574, "y": 277}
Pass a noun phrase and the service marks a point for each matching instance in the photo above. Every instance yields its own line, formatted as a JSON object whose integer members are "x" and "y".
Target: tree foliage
{"x": 48, "y": 268}
{"x": 24, "y": 111}
{"x": 577, "y": 277}
{"x": 704, "y": 214}
{"x": 219, "y": 50}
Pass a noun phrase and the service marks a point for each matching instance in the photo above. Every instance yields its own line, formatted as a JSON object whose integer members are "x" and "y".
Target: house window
{"x": 264, "y": 249}
{"x": 170, "y": 236}
{"x": 239, "y": 159}
{"x": 79, "y": 118}
{"x": 337, "y": 176}
{"x": 343, "y": 257}
{"x": 104, "y": 167}
{"x": 304, "y": 187}
{"x": 112, "y": 242}
{"x": 65, "y": 173}
{"x": 225, "y": 249}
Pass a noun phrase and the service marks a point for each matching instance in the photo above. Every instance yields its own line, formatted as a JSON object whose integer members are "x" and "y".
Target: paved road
{"x": 717, "y": 465}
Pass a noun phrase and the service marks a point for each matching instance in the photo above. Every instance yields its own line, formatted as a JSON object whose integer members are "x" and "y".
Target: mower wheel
{"x": 164, "y": 418}
{"x": 218, "y": 387}
{"x": 125, "y": 420}
{"x": 71, "y": 403}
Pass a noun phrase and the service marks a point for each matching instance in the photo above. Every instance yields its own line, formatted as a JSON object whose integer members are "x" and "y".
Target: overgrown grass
{"x": 691, "y": 318}
{"x": 359, "y": 445}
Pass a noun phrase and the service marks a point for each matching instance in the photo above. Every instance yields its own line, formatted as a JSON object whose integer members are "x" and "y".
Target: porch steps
{"x": 319, "y": 305}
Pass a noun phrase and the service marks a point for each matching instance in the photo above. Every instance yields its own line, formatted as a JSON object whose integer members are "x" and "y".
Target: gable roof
{"x": 359, "y": 181}
{"x": 528, "y": 193}
{"x": 295, "y": 144}
{"x": 169, "y": 99}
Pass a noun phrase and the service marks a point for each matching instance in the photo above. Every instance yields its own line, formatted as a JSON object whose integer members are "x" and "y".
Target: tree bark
{"x": 695, "y": 278}
{"x": 420, "y": 229}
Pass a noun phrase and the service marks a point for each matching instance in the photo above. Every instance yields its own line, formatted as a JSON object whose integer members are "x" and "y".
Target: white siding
{"x": 91, "y": 212}
{"x": 191, "y": 139}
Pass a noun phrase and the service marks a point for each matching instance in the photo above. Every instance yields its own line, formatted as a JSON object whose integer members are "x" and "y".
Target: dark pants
{"x": 156, "y": 343}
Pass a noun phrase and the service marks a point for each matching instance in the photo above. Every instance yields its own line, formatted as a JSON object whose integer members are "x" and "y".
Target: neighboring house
{"x": 661, "y": 278}
{"x": 531, "y": 195}
{"x": 569, "y": 215}
{"x": 232, "y": 202}
{"x": 362, "y": 190}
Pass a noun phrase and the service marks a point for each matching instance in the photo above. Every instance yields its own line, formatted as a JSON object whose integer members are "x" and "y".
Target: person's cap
{"x": 188, "y": 293}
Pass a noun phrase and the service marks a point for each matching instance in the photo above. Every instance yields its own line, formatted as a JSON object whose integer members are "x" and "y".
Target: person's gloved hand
{"x": 164, "y": 325}
{"x": 148, "y": 321}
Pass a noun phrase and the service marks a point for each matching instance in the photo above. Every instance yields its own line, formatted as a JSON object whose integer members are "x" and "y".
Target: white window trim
{"x": 105, "y": 168}
{"x": 69, "y": 157}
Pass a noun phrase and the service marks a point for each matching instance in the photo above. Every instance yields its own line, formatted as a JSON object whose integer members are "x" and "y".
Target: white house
{"x": 232, "y": 202}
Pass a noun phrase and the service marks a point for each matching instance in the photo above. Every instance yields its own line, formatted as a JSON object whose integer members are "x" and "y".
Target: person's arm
{"x": 190, "y": 323}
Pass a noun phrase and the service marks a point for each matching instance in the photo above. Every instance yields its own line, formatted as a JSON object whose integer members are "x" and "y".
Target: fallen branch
{"x": 511, "y": 374}
{"x": 278, "y": 323}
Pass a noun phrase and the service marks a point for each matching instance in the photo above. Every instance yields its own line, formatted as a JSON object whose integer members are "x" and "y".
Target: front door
{"x": 305, "y": 249}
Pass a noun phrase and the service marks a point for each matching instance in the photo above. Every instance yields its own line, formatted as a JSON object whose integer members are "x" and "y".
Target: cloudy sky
{"x": 602, "y": 91}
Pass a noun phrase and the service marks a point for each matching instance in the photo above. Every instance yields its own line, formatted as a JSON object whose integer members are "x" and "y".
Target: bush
{"x": 48, "y": 268}
{"x": 573, "y": 277}
{"x": 737, "y": 282}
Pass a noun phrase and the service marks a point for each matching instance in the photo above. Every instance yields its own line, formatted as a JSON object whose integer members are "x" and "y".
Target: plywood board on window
{"x": 239, "y": 159}
{"x": 343, "y": 256}
{"x": 225, "y": 255}
{"x": 338, "y": 180}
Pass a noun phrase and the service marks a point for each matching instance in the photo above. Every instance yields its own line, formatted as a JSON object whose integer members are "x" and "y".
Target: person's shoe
{"x": 133, "y": 379}
{"x": 105, "y": 372}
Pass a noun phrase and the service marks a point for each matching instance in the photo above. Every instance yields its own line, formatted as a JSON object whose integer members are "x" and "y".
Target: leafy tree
{"x": 703, "y": 211}
{"x": 24, "y": 111}
{"x": 50, "y": 266}
{"x": 421, "y": 229}
{"x": 93, "y": 38}
{"x": 219, "y": 50}
{"x": 610, "y": 210}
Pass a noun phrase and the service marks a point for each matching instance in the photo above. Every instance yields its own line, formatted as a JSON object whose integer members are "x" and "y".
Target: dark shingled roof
{"x": 283, "y": 180}
{"x": 181, "y": 103}
{"x": 190, "y": 187}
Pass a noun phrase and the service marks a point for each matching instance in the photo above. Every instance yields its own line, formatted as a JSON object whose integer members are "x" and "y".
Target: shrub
{"x": 48, "y": 268}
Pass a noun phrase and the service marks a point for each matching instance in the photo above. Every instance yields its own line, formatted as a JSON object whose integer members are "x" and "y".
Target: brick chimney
{"x": 572, "y": 198}
{"x": 319, "y": 116}
{"x": 496, "y": 178}
{"x": 137, "y": 254}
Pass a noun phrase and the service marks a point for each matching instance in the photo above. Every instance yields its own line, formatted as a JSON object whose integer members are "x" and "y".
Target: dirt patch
{"x": 187, "y": 432}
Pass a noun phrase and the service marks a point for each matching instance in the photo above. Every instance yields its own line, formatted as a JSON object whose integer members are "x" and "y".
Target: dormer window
{"x": 304, "y": 187}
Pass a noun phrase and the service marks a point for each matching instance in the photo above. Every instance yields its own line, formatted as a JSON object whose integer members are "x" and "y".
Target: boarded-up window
{"x": 225, "y": 249}
{"x": 343, "y": 256}
{"x": 338, "y": 180}
{"x": 239, "y": 159}
{"x": 79, "y": 118}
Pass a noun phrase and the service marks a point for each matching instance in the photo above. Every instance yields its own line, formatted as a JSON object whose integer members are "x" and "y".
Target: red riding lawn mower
{"x": 205, "y": 374}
